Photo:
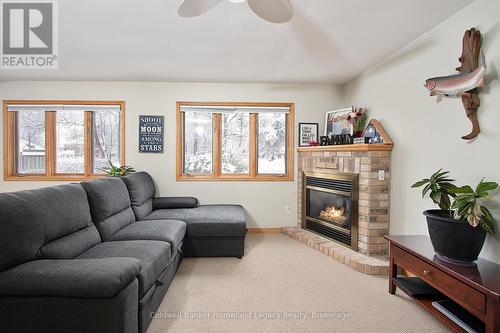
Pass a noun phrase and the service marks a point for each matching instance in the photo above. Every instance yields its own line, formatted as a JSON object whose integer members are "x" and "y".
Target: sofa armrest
{"x": 174, "y": 202}
{"x": 83, "y": 278}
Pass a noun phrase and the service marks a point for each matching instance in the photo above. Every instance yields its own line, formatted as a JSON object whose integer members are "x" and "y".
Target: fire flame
{"x": 333, "y": 214}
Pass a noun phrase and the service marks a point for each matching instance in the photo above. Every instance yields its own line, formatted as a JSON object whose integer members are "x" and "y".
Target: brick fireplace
{"x": 371, "y": 163}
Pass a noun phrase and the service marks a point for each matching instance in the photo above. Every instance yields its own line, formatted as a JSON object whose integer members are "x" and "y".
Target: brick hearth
{"x": 357, "y": 261}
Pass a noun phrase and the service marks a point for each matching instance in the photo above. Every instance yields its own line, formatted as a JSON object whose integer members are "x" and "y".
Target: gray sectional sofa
{"x": 99, "y": 256}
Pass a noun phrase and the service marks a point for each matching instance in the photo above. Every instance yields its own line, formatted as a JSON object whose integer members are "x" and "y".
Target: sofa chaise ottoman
{"x": 212, "y": 230}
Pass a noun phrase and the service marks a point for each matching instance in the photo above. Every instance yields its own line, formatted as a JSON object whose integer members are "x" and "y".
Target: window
{"x": 69, "y": 142}
{"x": 107, "y": 126}
{"x": 272, "y": 147}
{"x": 57, "y": 140}
{"x": 198, "y": 145}
{"x": 30, "y": 140}
{"x": 235, "y": 141}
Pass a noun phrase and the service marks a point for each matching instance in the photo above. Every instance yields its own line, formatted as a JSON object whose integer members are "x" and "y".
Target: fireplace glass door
{"x": 329, "y": 207}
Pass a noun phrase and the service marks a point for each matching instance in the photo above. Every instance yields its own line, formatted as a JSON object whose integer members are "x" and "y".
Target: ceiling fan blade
{"x": 275, "y": 11}
{"x": 191, "y": 8}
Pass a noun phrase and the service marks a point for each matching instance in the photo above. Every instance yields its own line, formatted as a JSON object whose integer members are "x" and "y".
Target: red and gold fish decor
{"x": 465, "y": 84}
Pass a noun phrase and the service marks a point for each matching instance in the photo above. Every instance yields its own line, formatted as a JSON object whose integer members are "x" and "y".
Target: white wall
{"x": 426, "y": 132}
{"x": 264, "y": 201}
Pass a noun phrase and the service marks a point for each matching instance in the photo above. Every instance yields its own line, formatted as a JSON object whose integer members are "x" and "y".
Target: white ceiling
{"x": 327, "y": 41}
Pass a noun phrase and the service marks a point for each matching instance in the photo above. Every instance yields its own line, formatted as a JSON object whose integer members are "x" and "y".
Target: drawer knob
{"x": 427, "y": 272}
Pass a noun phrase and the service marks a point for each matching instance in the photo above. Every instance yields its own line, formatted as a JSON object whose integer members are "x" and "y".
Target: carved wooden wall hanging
{"x": 464, "y": 85}
{"x": 469, "y": 62}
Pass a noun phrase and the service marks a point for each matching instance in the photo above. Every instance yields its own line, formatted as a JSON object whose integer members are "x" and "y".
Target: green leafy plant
{"x": 440, "y": 188}
{"x": 467, "y": 207}
{"x": 462, "y": 203}
{"x": 117, "y": 171}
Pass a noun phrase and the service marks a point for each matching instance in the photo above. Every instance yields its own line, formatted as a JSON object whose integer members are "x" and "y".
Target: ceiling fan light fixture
{"x": 274, "y": 11}
{"x": 192, "y": 8}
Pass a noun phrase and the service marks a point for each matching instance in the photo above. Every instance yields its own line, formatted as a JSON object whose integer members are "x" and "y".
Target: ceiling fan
{"x": 274, "y": 11}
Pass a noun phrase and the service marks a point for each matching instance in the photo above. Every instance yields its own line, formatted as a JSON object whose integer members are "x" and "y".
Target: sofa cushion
{"x": 171, "y": 231}
{"x": 141, "y": 188}
{"x": 143, "y": 209}
{"x": 85, "y": 278}
{"x": 109, "y": 205}
{"x": 174, "y": 202}
{"x": 71, "y": 245}
{"x": 47, "y": 223}
{"x": 208, "y": 220}
{"x": 154, "y": 257}
{"x": 21, "y": 236}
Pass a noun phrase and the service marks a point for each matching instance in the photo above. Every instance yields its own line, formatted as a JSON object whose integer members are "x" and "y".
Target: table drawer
{"x": 469, "y": 298}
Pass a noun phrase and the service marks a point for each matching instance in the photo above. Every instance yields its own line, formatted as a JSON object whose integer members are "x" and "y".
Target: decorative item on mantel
{"x": 361, "y": 140}
{"x": 467, "y": 83}
{"x": 358, "y": 119}
{"x": 373, "y": 134}
{"x": 336, "y": 122}
{"x": 308, "y": 134}
{"x": 343, "y": 126}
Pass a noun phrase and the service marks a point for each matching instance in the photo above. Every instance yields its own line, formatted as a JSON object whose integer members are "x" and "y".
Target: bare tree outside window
{"x": 272, "y": 143}
{"x": 235, "y": 143}
{"x": 198, "y": 143}
{"x": 30, "y": 130}
{"x": 105, "y": 139}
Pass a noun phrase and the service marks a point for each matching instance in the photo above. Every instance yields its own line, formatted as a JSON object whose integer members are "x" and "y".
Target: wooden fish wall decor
{"x": 465, "y": 84}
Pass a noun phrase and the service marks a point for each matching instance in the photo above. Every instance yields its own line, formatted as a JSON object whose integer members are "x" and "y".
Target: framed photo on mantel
{"x": 336, "y": 122}
{"x": 308, "y": 132}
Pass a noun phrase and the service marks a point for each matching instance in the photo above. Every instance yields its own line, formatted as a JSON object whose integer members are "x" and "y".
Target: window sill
{"x": 236, "y": 178}
{"x": 51, "y": 178}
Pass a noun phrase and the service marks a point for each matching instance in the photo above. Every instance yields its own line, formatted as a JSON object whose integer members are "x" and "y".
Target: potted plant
{"x": 117, "y": 171}
{"x": 458, "y": 229}
{"x": 358, "y": 118}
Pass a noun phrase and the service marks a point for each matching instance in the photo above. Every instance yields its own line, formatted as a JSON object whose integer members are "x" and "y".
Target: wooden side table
{"x": 476, "y": 288}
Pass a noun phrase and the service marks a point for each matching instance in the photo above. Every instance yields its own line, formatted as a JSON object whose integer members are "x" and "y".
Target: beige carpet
{"x": 277, "y": 282}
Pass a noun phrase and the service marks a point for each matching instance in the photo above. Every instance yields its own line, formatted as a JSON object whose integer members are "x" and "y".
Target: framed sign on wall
{"x": 151, "y": 129}
{"x": 308, "y": 132}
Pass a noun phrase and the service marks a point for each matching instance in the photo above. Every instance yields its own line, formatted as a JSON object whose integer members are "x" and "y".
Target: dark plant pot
{"x": 357, "y": 134}
{"x": 453, "y": 240}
